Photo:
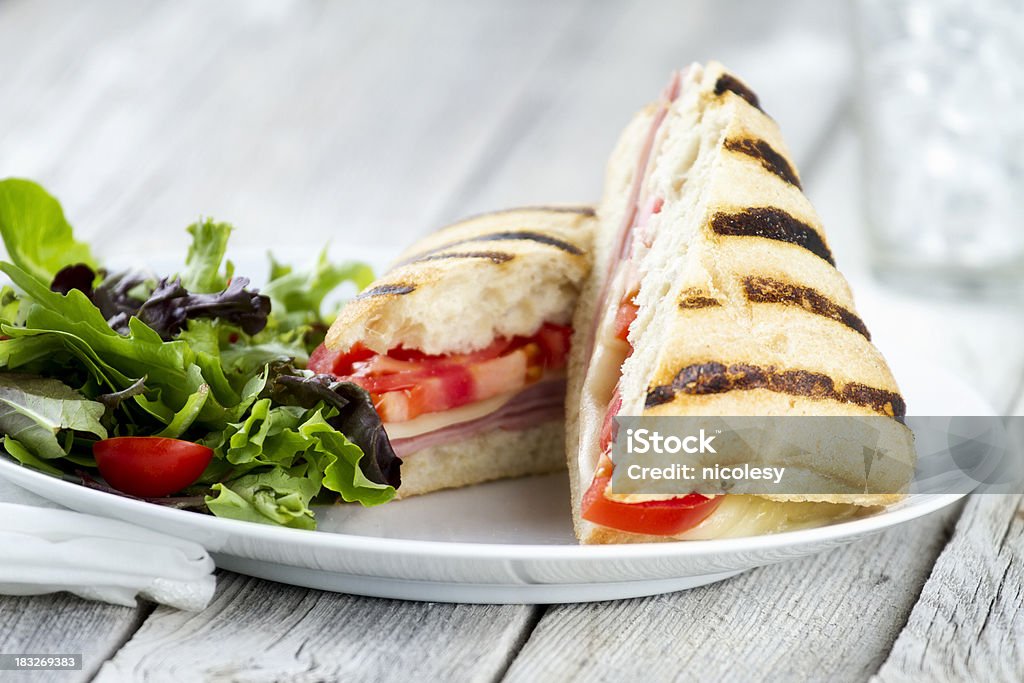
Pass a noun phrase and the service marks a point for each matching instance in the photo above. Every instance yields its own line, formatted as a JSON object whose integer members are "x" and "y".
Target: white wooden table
{"x": 369, "y": 123}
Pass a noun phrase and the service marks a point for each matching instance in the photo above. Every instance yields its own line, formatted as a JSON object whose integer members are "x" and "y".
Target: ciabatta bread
{"x": 500, "y": 274}
{"x": 741, "y": 310}
{"x": 498, "y": 454}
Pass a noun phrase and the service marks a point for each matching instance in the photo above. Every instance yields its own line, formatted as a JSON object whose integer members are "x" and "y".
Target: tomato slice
{"x": 554, "y": 345}
{"x": 405, "y": 383}
{"x": 625, "y": 316}
{"x": 150, "y": 466}
{"x": 654, "y": 517}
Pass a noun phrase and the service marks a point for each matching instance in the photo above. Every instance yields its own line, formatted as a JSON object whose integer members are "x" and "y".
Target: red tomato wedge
{"x": 655, "y": 517}
{"x": 406, "y": 383}
{"x": 150, "y": 466}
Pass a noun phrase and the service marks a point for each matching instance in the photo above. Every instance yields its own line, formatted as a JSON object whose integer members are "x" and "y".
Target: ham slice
{"x": 635, "y": 215}
{"x": 541, "y": 402}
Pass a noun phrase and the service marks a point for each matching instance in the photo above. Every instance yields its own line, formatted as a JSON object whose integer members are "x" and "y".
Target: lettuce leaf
{"x": 26, "y": 457}
{"x": 34, "y": 410}
{"x": 297, "y": 299}
{"x": 10, "y": 306}
{"x": 73, "y": 325}
{"x": 282, "y": 456}
{"x": 302, "y": 293}
{"x": 37, "y": 236}
{"x": 354, "y": 416}
{"x": 195, "y": 355}
{"x": 273, "y": 497}
{"x": 202, "y": 273}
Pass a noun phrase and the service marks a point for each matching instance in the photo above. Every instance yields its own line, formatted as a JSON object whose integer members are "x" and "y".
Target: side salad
{"x": 185, "y": 389}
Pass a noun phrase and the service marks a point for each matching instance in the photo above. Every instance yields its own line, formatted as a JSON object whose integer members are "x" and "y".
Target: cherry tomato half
{"x": 150, "y": 466}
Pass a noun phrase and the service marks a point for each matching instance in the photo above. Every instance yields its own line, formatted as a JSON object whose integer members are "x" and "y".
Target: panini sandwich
{"x": 463, "y": 346}
{"x": 714, "y": 293}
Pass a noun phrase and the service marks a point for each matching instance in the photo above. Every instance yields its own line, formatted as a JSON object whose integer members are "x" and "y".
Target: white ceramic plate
{"x": 506, "y": 542}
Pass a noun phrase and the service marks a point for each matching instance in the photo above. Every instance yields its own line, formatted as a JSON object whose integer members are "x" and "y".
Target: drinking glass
{"x": 941, "y": 108}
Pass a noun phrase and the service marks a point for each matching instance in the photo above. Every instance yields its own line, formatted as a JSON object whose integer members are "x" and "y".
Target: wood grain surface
{"x": 968, "y": 623}
{"x": 262, "y": 631}
{"x": 63, "y": 624}
{"x": 826, "y": 618}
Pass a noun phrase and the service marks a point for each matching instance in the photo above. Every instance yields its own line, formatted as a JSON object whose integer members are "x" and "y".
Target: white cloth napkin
{"x": 46, "y": 550}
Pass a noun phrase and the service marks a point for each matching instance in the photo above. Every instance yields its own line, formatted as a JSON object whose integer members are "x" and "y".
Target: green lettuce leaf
{"x": 26, "y": 457}
{"x": 34, "y": 410}
{"x": 72, "y": 324}
{"x": 37, "y": 236}
{"x": 202, "y": 274}
{"x": 10, "y": 306}
{"x": 274, "y": 497}
{"x": 293, "y": 440}
{"x": 297, "y": 297}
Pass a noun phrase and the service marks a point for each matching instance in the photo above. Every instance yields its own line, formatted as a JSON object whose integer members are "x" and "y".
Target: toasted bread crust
{"x": 741, "y": 308}
{"x": 523, "y": 266}
{"x": 498, "y": 454}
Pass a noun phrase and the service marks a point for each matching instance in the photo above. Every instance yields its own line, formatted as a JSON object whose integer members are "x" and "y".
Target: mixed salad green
{"x": 91, "y": 360}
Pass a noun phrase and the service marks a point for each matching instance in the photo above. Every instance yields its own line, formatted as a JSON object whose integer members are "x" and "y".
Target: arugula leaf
{"x": 202, "y": 265}
{"x": 37, "y": 236}
{"x": 34, "y": 410}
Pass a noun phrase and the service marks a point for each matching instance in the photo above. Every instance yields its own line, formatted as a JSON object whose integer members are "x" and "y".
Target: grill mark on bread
{"x": 530, "y": 235}
{"x": 582, "y": 210}
{"x": 771, "y": 161}
{"x": 393, "y": 289}
{"x": 716, "y": 378}
{"x": 497, "y": 257}
{"x": 734, "y": 85}
{"x": 766, "y": 290}
{"x": 774, "y": 224}
{"x": 697, "y": 298}
{"x": 503, "y": 235}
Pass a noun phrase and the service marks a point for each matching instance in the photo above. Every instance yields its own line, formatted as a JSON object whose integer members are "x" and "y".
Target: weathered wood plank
{"x": 257, "y": 630}
{"x": 968, "y": 624}
{"x": 828, "y": 618}
{"x": 64, "y": 624}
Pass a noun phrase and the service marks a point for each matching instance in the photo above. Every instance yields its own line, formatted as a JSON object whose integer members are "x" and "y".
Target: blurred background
{"x": 371, "y": 122}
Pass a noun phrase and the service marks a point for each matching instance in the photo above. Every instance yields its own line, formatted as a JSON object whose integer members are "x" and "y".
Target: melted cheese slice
{"x": 429, "y": 422}
{"x": 743, "y": 515}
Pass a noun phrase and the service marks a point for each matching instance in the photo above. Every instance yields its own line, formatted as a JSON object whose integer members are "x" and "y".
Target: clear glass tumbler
{"x": 941, "y": 104}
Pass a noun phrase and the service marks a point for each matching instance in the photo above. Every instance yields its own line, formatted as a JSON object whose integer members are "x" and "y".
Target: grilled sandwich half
{"x": 463, "y": 345}
{"x": 714, "y": 292}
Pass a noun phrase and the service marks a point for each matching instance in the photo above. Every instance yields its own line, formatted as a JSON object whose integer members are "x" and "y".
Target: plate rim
{"x": 561, "y": 552}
